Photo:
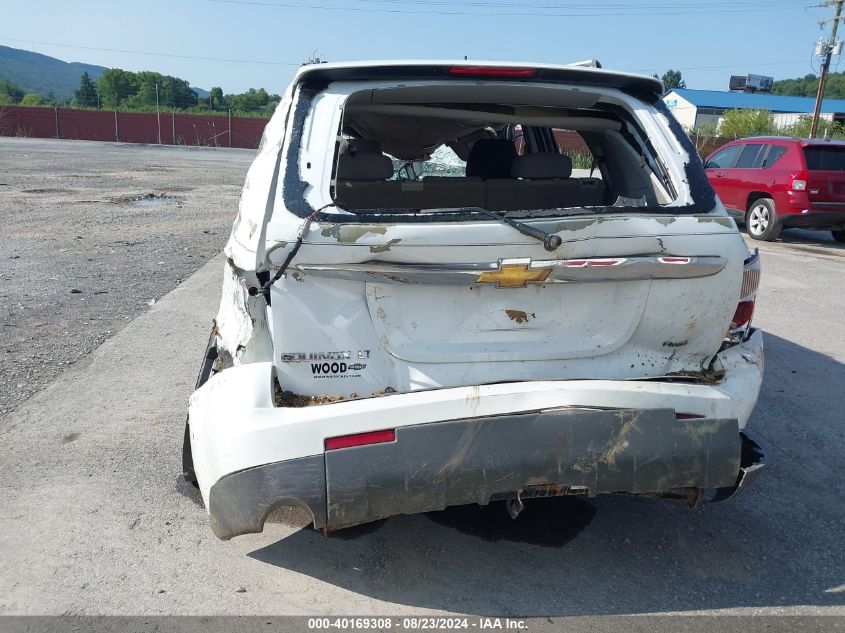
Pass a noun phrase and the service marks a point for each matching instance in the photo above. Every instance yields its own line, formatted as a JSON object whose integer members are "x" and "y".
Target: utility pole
{"x": 825, "y": 50}
{"x": 158, "y": 116}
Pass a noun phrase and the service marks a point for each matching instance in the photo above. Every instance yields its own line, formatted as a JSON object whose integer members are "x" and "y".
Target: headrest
{"x": 353, "y": 146}
{"x": 361, "y": 159}
{"x": 542, "y": 166}
{"x": 491, "y": 158}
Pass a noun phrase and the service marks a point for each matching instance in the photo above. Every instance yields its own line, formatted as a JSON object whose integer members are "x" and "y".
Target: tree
{"x": 741, "y": 123}
{"x": 116, "y": 86}
{"x": 86, "y": 94}
{"x": 672, "y": 79}
{"x": 826, "y": 128}
{"x": 808, "y": 85}
{"x": 33, "y": 99}
{"x": 216, "y": 99}
{"x": 252, "y": 100}
{"x": 9, "y": 92}
{"x": 172, "y": 92}
{"x": 177, "y": 93}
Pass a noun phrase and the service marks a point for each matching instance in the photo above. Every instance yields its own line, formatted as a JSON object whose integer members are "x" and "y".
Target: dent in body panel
{"x": 240, "y": 325}
{"x": 433, "y": 466}
{"x": 350, "y": 233}
{"x": 256, "y": 200}
{"x": 385, "y": 247}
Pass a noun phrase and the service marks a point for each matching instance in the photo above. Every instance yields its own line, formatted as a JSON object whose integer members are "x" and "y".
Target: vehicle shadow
{"x": 818, "y": 242}
{"x": 778, "y": 545}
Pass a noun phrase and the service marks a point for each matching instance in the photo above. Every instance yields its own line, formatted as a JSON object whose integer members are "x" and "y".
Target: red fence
{"x": 182, "y": 129}
{"x": 131, "y": 127}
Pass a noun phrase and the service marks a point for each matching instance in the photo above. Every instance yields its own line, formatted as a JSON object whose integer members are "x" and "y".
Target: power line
{"x": 297, "y": 64}
{"x": 592, "y": 6}
{"x": 634, "y": 10}
{"x": 568, "y": 5}
{"x": 134, "y": 52}
{"x": 726, "y": 66}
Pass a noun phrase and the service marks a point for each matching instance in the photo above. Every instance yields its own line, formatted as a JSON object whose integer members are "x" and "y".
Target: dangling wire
{"x": 265, "y": 287}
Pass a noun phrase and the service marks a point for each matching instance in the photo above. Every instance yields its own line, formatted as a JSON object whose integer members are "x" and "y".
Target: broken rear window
{"x": 410, "y": 149}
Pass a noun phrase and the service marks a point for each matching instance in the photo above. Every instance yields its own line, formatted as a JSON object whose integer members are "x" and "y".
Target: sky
{"x": 240, "y": 44}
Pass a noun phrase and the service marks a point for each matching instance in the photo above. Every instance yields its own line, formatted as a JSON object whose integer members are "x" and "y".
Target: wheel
{"x": 188, "y": 458}
{"x": 204, "y": 374}
{"x": 839, "y": 235}
{"x": 761, "y": 221}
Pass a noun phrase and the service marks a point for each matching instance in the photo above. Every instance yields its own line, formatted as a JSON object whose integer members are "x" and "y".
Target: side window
{"x": 750, "y": 156}
{"x": 724, "y": 158}
{"x": 570, "y": 143}
{"x": 775, "y": 152}
{"x": 519, "y": 139}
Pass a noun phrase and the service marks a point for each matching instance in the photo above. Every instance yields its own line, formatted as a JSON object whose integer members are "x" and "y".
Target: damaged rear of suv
{"x": 431, "y": 299}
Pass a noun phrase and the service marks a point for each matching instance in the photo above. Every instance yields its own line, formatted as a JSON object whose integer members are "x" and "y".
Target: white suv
{"x": 455, "y": 282}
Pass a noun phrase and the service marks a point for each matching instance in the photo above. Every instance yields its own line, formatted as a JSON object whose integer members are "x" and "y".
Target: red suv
{"x": 776, "y": 182}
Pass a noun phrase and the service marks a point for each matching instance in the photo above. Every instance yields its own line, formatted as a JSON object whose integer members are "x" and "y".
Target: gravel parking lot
{"x": 94, "y": 233}
{"x": 96, "y": 519}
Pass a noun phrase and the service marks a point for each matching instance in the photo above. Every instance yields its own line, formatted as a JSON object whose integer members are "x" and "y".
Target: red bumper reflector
{"x": 487, "y": 71}
{"x": 361, "y": 439}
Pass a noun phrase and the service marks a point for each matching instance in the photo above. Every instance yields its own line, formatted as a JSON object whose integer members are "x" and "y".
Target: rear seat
{"x": 542, "y": 181}
{"x": 536, "y": 181}
{"x": 362, "y": 183}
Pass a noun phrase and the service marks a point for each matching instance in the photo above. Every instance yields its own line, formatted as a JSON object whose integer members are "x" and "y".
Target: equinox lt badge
{"x": 303, "y": 357}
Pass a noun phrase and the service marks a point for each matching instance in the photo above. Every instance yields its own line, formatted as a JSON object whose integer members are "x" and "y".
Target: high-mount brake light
{"x": 492, "y": 71}
{"x": 741, "y": 321}
{"x": 360, "y": 439}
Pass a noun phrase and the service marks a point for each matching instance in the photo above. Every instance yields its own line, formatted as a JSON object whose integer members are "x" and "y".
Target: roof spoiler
{"x": 317, "y": 76}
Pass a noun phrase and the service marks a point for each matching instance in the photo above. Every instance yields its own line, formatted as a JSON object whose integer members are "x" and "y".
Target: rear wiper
{"x": 550, "y": 241}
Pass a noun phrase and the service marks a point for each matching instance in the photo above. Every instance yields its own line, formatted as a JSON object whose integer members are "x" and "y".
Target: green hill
{"x": 45, "y": 75}
{"x": 808, "y": 85}
{"x": 48, "y": 76}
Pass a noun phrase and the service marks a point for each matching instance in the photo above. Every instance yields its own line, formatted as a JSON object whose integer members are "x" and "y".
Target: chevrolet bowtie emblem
{"x": 515, "y": 276}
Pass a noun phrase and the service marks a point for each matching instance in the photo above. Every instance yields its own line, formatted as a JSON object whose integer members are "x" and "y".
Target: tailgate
{"x": 826, "y": 173}
{"x": 423, "y": 306}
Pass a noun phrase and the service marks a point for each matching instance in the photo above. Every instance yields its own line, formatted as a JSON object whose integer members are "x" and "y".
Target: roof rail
{"x": 587, "y": 63}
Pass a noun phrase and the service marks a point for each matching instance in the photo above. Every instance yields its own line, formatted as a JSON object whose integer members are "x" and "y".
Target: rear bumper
{"x": 467, "y": 445}
{"x": 815, "y": 217}
{"x": 433, "y": 466}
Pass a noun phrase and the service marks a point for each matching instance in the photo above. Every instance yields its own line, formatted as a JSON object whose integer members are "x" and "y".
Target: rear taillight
{"x": 799, "y": 182}
{"x": 741, "y": 321}
{"x": 361, "y": 439}
{"x": 492, "y": 71}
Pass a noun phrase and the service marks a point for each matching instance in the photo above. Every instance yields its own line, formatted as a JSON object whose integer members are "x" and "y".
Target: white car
{"x": 425, "y": 304}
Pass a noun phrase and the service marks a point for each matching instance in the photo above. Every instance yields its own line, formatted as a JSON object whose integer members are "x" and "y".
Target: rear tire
{"x": 205, "y": 373}
{"x": 839, "y": 236}
{"x": 188, "y": 458}
{"x": 761, "y": 221}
